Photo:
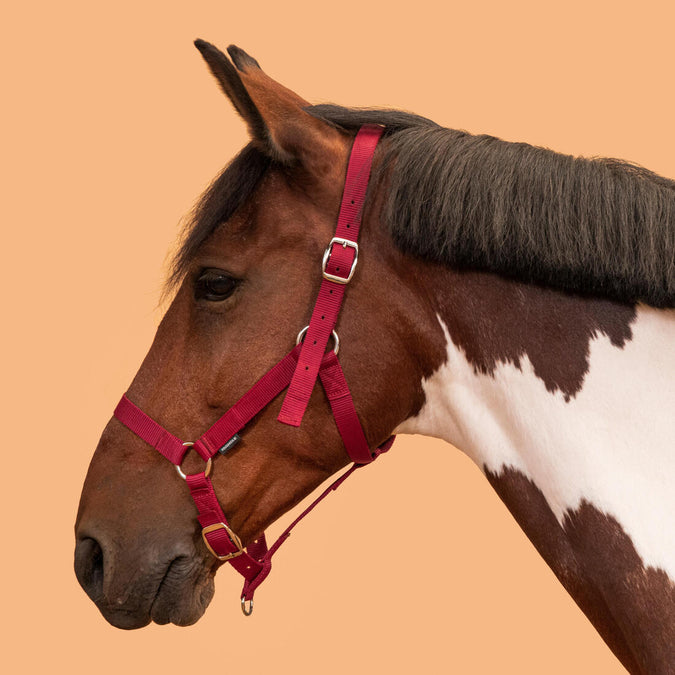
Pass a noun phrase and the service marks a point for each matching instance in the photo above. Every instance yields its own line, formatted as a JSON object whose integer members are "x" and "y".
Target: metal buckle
{"x": 326, "y": 257}
{"x": 233, "y": 538}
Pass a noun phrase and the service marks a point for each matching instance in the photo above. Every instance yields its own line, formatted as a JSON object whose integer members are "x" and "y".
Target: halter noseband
{"x": 298, "y": 371}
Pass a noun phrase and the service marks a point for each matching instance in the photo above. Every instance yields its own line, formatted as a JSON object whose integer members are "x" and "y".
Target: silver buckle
{"x": 326, "y": 257}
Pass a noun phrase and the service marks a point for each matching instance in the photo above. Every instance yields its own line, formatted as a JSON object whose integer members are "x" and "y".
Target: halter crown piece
{"x": 298, "y": 371}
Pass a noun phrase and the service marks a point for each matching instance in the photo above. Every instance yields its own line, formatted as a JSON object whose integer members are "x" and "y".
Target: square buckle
{"x": 233, "y": 538}
{"x": 326, "y": 257}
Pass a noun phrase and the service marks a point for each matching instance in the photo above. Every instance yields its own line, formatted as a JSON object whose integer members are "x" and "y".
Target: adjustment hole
{"x": 331, "y": 292}
{"x": 314, "y": 342}
{"x": 337, "y": 269}
{"x": 352, "y": 201}
{"x": 306, "y": 367}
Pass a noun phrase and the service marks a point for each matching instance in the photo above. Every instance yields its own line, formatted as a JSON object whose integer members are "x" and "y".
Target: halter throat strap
{"x": 298, "y": 372}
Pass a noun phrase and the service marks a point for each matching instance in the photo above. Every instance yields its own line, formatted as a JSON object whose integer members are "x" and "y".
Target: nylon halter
{"x": 298, "y": 371}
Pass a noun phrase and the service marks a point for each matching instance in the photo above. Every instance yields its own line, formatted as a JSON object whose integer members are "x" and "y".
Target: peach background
{"x": 111, "y": 128}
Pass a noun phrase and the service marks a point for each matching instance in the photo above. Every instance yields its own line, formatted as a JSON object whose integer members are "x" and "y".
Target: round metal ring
{"x": 207, "y": 470}
{"x": 247, "y": 611}
{"x": 334, "y": 335}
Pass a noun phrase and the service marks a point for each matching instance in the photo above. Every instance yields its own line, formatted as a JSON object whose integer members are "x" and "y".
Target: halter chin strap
{"x": 298, "y": 371}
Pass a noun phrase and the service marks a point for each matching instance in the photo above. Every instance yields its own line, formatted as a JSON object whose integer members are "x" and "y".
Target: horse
{"x": 513, "y": 301}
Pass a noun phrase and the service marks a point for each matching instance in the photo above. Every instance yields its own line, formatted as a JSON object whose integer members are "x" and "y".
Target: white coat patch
{"x": 612, "y": 444}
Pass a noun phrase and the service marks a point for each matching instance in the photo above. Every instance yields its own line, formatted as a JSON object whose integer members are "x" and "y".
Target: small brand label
{"x": 230, "y": 444}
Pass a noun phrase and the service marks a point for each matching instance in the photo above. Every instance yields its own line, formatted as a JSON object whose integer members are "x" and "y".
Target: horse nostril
{"x": 89, "y": 567}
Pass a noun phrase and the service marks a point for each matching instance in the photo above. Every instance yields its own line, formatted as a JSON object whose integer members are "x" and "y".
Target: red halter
{"x": 298, "y": 371}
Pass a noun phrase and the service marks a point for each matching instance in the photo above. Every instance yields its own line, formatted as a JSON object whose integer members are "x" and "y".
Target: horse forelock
{"x": 228, "y": 192}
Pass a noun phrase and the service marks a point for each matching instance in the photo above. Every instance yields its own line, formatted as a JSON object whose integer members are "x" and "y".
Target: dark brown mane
{"x": 593, "y": 226}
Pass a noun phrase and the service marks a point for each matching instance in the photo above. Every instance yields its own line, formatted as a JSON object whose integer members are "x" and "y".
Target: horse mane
{"x": 591, "y": 226}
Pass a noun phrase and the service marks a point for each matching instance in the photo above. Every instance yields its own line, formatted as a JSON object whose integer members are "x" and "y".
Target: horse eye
{"x": 214, "y": 285}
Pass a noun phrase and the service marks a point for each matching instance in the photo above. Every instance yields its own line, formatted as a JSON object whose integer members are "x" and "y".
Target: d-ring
{"x": 334, "y": 334}
{"x": 247, "y": 611}
{"x": 207, "y": 470}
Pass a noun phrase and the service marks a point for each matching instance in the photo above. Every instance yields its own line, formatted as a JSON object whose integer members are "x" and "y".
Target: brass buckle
{"x": 326, "y": 257}
{"x": 233, "y": 538}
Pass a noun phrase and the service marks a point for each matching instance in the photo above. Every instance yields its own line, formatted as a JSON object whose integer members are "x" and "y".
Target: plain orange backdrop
{"x": 111, "y": 128}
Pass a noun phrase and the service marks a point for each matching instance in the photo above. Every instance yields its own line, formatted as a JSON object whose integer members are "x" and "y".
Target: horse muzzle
{"x": 175, "y": 586}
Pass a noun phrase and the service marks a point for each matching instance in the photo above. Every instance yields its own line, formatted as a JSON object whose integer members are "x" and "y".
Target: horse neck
{"x": 567, "y": 391}
{"x": 565, "y": 403}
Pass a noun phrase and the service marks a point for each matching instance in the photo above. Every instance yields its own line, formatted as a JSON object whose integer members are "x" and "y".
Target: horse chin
{"x": 180, "y": 598}
{"x": 164, "y": 609}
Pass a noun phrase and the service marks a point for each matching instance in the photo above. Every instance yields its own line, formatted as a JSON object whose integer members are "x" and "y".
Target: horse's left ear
{"x": 275, "y": 115}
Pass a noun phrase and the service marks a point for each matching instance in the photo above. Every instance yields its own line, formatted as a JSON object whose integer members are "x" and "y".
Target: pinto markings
{"x": 630, "y": 605}
{"x": 611, "y": 445}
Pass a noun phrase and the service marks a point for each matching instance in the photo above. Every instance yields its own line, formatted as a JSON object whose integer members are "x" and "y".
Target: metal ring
{"x": 249, "y": 611}
{"x": 334, "y": 334}
{"x": 207, "y": 470}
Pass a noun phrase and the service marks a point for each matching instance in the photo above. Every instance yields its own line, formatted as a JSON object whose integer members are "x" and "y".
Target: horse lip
{"x": 183, "y": 594}
{"x": 126, "y": 620}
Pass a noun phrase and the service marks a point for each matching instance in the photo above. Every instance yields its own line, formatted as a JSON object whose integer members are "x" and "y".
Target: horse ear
{"x": 274, "y": 114}
{"x": 231, "y": 84}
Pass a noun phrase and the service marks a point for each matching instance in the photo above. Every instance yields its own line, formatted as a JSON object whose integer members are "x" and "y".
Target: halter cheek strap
{"x": 339, "y": 263}
{"x": 298, "y": 371}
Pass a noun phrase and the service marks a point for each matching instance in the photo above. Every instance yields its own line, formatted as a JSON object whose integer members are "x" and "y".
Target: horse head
{"x": 245, "y": 283}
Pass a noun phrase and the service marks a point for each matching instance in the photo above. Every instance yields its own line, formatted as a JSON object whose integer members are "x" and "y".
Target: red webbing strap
{"x": 386, "y": 446}
{"x": 255, "y": 562}
{"x": 267, "y": 388}
{"x": 300, "y": 368}
{"x": 250, "y": 585}
{"x": 341, "y": 260}
{"x": 258, "y": 547}
{"x": 210, "y": 513}
{"x": 342, "y": 405}
{"x": 152, "y": 433}
{"x": 259, "y": 396}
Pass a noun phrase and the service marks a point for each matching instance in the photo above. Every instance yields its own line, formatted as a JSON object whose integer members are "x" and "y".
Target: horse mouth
{"x": 177, "y": 593}
{"x": 184, "y": 592}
